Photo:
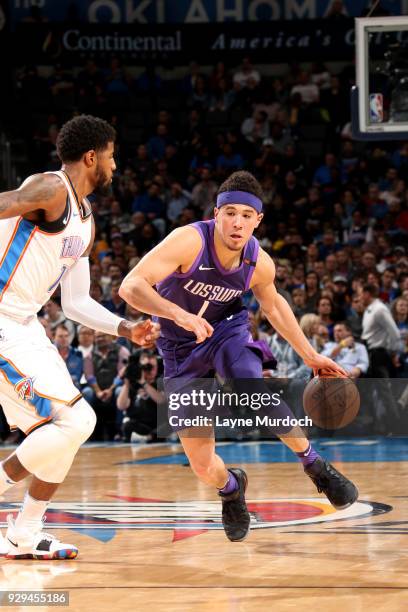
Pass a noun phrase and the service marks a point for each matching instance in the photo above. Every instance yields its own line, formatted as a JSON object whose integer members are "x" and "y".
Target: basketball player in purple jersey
{"x": 200, "y": 272}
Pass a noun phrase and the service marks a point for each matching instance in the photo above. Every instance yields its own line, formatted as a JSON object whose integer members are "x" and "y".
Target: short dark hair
{"x": 81, "y": 134}
{"x": 371, "y": 289}
{"x": 242, "y": 181}
{"x": 345, "y": 325}
{"x": 62, "y": 326}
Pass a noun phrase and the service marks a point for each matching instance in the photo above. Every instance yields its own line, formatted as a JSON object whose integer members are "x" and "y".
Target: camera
{"x": 133, "y": 369}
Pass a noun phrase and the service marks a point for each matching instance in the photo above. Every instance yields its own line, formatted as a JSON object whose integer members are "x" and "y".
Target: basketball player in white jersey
{"x": 46, "y": 234}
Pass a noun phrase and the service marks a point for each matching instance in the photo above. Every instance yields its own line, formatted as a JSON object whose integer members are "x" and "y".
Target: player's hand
{"x": 319, "y": 362}
{"x": 199, "y": 326}
{"x": 145, "y": 333}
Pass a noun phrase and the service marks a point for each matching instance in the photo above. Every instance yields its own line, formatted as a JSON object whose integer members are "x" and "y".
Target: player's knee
{"x": 202, "y": 466}
{"x": 88, "y": 420}
{"x": 78, "y": 421}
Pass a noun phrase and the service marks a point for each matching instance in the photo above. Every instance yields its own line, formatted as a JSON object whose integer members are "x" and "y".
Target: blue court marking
{"x": 103, "y": 535}
{"x": 356, "y": 450}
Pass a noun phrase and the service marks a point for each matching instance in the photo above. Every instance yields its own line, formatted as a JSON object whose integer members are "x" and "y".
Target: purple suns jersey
{"x": 207, "y": 289}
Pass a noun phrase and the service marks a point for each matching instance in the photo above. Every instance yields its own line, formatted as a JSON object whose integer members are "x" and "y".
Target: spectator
{"x": 247, "y": 75}
{"x": 325, "y": 312}
{"x": 289, "y": 363}
{"x": 308, "y": 91}
{"x": 299, "y": 302}
{"x": 55, "y": 317}
{"x": 399, "y": 311}
{"x": 156, "y": 145}
{"x": 229, "y": 161}
{"x": 389, "y": 286}
{"x": 138, "y": 398}
{"x": 86, "y": 339}
{"x": 282, "y": 281}
{"x": 179, "y": 199}
{"x": 309, "y": 324}
{"x": 352, "y": 356}
{"x": 293, "y": 193}
{"x": 256, "y": 128}
{"x": 329, "y": 244}
{"x": 203, "y": 194}
{"x": 358, "y": 231}
{"x": 190, "y": 79}
{"x": 150, "y": 203}
{"x": 341, "y": 299}
{"x": 115, "y": 303}
{"x": 108, "y": 359}
{"x": 375, "y": 206}
{"x": 142, "y": 165}
{"x": 324, "y": 174}
{"x": 355, "y": 318}
{"x": 312, "y": 290}
{"x": 74, "y": 361}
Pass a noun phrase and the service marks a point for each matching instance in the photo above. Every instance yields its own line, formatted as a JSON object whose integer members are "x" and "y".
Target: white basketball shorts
{"x": 33, "y": 376}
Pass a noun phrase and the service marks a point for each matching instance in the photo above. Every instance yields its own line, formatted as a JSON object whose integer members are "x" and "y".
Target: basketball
{"x": 332, "y": 401}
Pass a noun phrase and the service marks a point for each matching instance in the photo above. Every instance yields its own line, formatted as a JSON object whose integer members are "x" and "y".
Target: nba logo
{"x": 376, "y": 108}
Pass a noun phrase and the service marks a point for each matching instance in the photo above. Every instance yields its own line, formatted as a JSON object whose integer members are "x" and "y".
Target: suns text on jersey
{"x": 213, "y": 293}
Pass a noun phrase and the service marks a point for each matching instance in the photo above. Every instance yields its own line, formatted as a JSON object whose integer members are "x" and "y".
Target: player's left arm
{"x": 78, "y": 305}
{"x": 281, "y": 317}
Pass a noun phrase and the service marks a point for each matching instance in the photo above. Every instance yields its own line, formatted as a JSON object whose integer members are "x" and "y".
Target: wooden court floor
{"x": 150, "y": 538}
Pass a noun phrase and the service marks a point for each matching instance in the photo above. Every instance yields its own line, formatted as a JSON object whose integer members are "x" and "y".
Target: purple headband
{"x": 239, "y": 197}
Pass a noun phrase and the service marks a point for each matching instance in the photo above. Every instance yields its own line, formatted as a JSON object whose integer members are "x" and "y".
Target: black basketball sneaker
{"x": 339, "y": 490}
{"x": 235, "y": 515}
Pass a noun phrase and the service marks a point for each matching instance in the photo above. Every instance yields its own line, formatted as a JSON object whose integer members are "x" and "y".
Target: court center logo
{"x": 102, "y": 520}
{"x": 25, "y": 388}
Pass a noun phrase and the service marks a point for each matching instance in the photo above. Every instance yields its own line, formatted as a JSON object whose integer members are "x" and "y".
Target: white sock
{"x": 31, "y": 513}
{"x": 5, "y": 481}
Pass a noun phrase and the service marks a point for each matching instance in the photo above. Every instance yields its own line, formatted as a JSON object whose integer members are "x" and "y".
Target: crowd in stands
{"x": 335, "y": 212}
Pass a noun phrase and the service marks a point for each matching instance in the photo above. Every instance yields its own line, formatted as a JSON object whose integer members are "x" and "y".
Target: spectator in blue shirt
{"x": 72, "y": 357}
{"x": 115, "y": 303}
{"x": 150, "y": 203}
{"x": 156, "y": 145}
{"x": 229, "y": 161}
{"x": 349, "y": 354}
{"x": 323, "y": 175}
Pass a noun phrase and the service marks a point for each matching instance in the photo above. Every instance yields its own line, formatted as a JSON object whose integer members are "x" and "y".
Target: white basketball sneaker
{"x": 25, "y": 544}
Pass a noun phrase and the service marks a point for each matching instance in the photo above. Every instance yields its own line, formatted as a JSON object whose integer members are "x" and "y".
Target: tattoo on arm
{"x": 33, "y": 196}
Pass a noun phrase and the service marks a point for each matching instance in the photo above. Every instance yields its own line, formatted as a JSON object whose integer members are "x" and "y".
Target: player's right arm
{"x": 176, "y": 252}
{"x": 39, "y": 192}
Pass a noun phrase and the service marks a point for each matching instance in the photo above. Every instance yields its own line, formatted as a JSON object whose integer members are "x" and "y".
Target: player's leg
{"x": 199, "y": 446}
{"x": 235, "y": 363}
{"x": 47, "y": 453}
{"x": 199, "y": 443}
{"x": 38, "y": 396}
{"x": 231, "y": 483}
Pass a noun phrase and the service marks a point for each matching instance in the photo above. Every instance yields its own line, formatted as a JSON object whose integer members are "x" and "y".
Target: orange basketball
{"x": 331, "y": 400}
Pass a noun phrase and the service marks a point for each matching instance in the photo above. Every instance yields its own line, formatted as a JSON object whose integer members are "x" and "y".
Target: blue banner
{"x": 183, "y": 11}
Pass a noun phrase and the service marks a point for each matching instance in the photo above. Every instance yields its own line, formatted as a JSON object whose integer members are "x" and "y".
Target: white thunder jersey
{"x": 34, "y": 257}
